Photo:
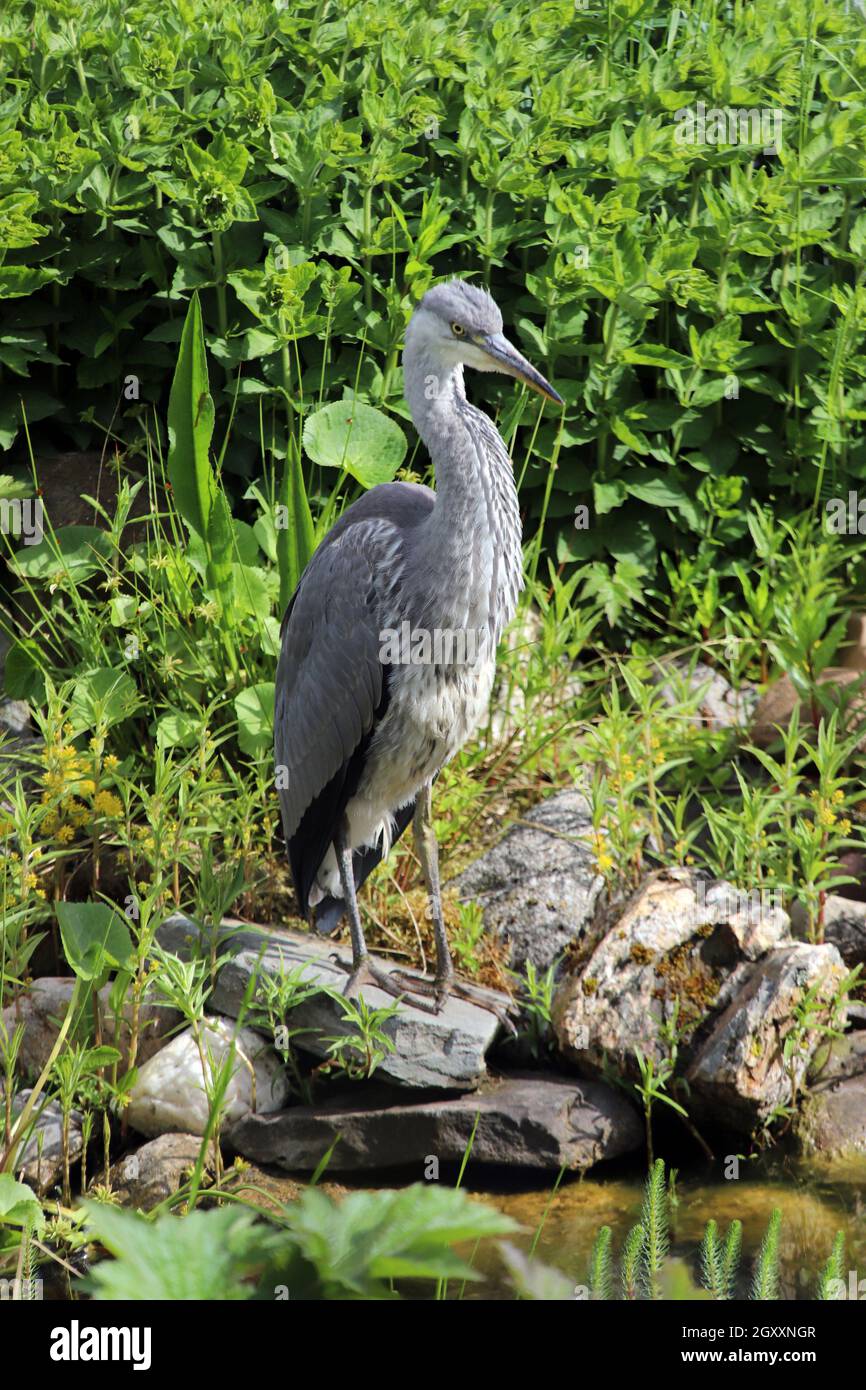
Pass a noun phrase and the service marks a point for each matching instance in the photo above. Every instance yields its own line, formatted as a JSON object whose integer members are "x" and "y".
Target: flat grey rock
{"x": 526, "y": 1121}
{"x": 40, "y": 1163}
{"x": 445, "y": 1050}
{"x": 538, "y": 887}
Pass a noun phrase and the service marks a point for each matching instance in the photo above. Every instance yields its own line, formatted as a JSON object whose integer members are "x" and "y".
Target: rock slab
{"x": 445, "y": 1050}
{"x": 538, "y": 887}
{"x": 529, "y": 1120}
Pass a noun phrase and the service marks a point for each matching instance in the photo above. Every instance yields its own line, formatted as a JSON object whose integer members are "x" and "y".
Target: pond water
{"x": 816, "y": 1202}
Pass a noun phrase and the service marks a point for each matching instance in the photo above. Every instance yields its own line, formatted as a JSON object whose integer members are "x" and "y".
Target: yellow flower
{"x": 838, "y": 795}
{"x": 112, "y": 762}
{"x": 604, "y": 862}
{"x": 65, "y": 834}
{"x": 86, "y": 787}
{"x": 845, "y": 827}
{"x": 30, "y": 880}
{"x": 107, "y": 804}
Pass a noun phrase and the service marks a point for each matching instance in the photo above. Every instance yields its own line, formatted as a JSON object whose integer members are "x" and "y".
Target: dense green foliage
{"x": 311, "y": 168}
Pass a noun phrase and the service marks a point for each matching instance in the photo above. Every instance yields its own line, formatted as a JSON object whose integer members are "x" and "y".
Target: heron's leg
{"x": 428, "y": 853}
{"x": 362, "y": 970}
{"x": 350, "y": 898}
{"x": 444, "y": 982}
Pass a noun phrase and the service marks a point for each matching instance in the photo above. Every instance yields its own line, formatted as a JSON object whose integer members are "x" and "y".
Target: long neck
{"x": 472, "y": 540}
{"x": 437, "y": 401}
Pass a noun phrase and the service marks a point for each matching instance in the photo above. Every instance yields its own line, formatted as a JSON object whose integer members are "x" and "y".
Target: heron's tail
{"x": 328, "y": 913}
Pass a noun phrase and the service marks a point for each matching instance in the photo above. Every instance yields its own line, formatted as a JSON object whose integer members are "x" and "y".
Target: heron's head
{"x": 459, "y": 322}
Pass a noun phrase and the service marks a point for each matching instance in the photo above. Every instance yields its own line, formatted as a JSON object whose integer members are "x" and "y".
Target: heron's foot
{"x": 364, "y": 972}
{"x": 442, "y": 985}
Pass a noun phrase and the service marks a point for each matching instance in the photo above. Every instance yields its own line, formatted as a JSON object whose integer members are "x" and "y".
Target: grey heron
{"x": 364, "y": 725}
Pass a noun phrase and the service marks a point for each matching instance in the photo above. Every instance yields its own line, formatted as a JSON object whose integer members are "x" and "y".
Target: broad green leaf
{"x": 208, "y": 1255}
{"x": 19, "y": 1205}
{"x": 19, "y": 280}
{"x": 15, "y": 487}
{"x": 358, "y": 1244}
{"x": 351, "y": 435}
{"x": 270, "y": 636}
{"x": 608, "y": 495}
{"x": 177, "y": 731}
{"x": 662, "y": 492}
{"x": 252, "y": 591}
{"x": 95, "y": 939}
{"x": 74, "y": 553}
{"x": 254, "y": 709}
{"x": 655, "y": 355}
{"x": 24, "y": 677}
{"x": 220, "y": 545}
{"x": 103, "y": 697}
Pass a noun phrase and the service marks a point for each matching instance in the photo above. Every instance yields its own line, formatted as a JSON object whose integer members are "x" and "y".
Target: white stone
{"x": 169, "y": 1093}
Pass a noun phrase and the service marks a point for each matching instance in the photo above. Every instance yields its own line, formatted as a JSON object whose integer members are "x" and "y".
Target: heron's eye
{"x": 458, "y": 330}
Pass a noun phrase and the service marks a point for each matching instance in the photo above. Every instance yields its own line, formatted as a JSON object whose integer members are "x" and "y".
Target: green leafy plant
{"x": 316, "y": 1247}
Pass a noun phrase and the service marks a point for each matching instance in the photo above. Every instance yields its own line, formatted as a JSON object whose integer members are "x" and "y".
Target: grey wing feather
{"x": 329, "y": 676}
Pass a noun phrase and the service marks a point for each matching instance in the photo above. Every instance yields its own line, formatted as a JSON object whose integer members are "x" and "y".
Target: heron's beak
{"x": 507, "y": 359}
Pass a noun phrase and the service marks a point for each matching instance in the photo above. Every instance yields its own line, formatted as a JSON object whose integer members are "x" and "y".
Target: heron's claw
{"x": 442, "y": 985}
{"x": 366, "y": 973}
{"x": 400, "y": 985}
